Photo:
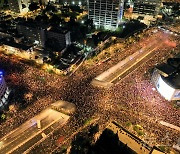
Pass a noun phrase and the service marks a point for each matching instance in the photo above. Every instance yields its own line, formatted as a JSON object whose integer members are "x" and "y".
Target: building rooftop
{"x": 128, "y": 142}
{"x": 57, "y": 30}
{"x": 166, "y": 69}
{"x": 170, "y": 72}
{"x": 17, "y": 45}
{"x": 174, "y": 62}
{"x": 173, "y": 80}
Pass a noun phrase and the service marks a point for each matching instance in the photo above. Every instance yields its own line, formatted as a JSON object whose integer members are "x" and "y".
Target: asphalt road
{"x": 25, "y": 136}
{"x": 38, "y": 138}
{"x": 134, "y": 65}
{"x": 123, "y": 68}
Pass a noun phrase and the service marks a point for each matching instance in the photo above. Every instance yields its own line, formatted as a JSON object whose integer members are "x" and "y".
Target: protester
{"x": 131, "y": 99}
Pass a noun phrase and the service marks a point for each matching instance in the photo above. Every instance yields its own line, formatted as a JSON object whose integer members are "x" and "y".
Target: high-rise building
{"x": 4, "y": 91}
{"x": 106, "y": 13}
{"x": 145, "y": 11}
{"x": 62, "y": 37}
{"x": 146, "y": 7}
{"x": 40, "y": 34}
{"x": 18, "y": 6}
{"x": 35, "y": 33}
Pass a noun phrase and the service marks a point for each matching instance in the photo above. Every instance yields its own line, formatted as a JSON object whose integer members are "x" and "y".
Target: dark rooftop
{"x": 173, "y": 80}
{"x": 166, "y": 69}
{"x": 17, "y": 45}
{"x": 57, "y": 30}
{"x": 174, "y": 62}
{"x": 33, "y": 24}
{"x": 170, "y": 72}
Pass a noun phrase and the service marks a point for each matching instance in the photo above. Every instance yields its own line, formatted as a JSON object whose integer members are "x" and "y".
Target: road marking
{"x": 119, "y": 69}
{"x": 169, "y": 125}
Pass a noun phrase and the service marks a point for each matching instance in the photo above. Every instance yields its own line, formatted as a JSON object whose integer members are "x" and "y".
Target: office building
{"x": 146, "y": 7}
{"x": 41, "y": 34}
{"x": 61, "y": 36}
{"x": 106, "y": 13}
{"x": 33, "y": 32}
{"x": 4, "y": 91}
{"x": 166, "y": 78}
{"x": 145, "y": 10}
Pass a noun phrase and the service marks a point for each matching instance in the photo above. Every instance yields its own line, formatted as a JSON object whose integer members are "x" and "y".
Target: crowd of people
{"x": 131, "y": 99}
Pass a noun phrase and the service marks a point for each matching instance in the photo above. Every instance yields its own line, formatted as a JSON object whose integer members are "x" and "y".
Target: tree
{"x": 76, "y": 8}
{"x": 50, "y": 8}
{"x": 55, "y": 20}
{"x": 42, "y": 18}
{"x": 33, "y": 6}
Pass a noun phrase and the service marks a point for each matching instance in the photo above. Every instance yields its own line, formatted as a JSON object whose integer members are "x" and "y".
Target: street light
{"x": 73, "y": 2}
{"x": 1, "y": 73}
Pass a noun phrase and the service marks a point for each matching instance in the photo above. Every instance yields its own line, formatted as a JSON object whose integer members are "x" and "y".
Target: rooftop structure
{"x": 106, "y": 13}
{"x": 33, "y": 32}
{"x": 147, "y": 10}
{"x": 166, "y": 78}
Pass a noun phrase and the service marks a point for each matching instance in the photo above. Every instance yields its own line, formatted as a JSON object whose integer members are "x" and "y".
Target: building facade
{"x": 146, "y": 9}
{"x": 32, "y": 33}
{"x": 40, "y": 34}
{"x": 106, "y": 13}
{"x": 167, "y": 81}
{"x": 62, "y": 36}
{"x": 4, "y": 91}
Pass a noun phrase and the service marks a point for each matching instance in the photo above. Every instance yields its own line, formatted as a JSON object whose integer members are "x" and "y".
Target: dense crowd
{"x": 131, "y": 99}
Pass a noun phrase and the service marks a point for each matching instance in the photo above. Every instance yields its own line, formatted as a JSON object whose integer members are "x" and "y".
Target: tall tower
{"x": 106, "y": 13}
{"x": 4, "y": 91}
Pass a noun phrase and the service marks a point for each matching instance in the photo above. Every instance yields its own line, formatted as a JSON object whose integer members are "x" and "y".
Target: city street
{"x": 129, "y": 64}
{"x": 28, "y": 134}
{"x": 72, "y": 67}
{"x": 130, "y": 99}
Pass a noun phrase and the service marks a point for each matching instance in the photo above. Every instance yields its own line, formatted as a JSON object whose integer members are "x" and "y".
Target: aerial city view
{"x": 90, "y": 76}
